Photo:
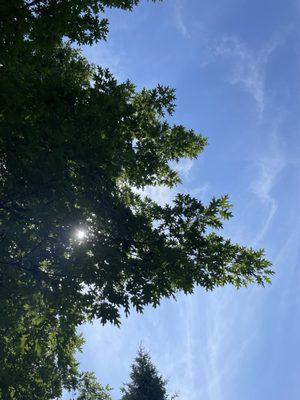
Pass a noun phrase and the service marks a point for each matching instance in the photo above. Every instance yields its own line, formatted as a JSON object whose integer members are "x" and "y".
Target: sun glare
{"x": 80, "y": 234}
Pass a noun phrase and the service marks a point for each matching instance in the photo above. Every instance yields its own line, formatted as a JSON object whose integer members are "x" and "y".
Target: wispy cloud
{"x": 213, "y": 345}
{"x": 165, "y": 195}
{"x": 161, "y": 194}
{"x": 105, "y": 55}
{"x": 249, "y": 70}
{"x": 269, "y": 167}
{"x": 249, "y": 66}
{"x": 180, "y": 24}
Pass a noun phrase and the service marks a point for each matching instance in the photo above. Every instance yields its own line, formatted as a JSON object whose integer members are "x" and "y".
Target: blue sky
{"x": 235, "y": 66}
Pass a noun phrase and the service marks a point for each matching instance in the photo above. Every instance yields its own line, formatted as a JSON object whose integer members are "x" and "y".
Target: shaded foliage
{"x": 46, "y": 22}
{"x": 74, "y": 146}
{"x": 37, "y": 344}
{"x": 74, "y": 143}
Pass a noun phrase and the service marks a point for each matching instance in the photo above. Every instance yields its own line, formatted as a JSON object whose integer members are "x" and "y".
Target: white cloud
{"x": 249, "y": 66}
{"x": 180, "y": 24}
{"x": 165, "y": 195}
{"x": 160, "y": 194}
{"x": 269, "y": 168}
{"x": 105, "y": 55}
{"x": 213, "y": 345}
{"x": 183, "y": 167}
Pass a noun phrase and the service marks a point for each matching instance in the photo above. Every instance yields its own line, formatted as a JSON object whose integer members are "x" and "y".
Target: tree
{"x": 74, "y": 144}
{"x": 73, "y": 147}
{"x": 146, "y": 383}
{"x": 88, "y": 388}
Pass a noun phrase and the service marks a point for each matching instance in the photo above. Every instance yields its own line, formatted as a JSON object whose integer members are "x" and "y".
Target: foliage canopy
{"x": 74, "y": 146}
{"x": 46, "y": 22}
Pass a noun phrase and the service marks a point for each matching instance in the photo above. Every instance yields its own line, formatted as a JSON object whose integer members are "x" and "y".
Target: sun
{"x": 80, "y": 234}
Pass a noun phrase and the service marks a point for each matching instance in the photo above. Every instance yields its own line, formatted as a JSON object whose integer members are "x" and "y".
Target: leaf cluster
{"x": 43, "y": 23}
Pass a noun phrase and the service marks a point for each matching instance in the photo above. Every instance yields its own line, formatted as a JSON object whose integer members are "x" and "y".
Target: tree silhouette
{"x": 146, "y": 383}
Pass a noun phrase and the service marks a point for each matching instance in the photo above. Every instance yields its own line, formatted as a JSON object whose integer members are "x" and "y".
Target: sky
{"x": 235, "y": 67}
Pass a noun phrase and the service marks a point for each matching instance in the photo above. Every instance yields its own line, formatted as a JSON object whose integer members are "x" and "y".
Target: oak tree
{"x": 77, "y": 241}
{"x": 74, "y": 146}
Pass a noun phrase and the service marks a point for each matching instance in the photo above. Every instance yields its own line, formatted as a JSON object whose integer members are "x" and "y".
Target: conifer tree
{"x": 146, "y": 382}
